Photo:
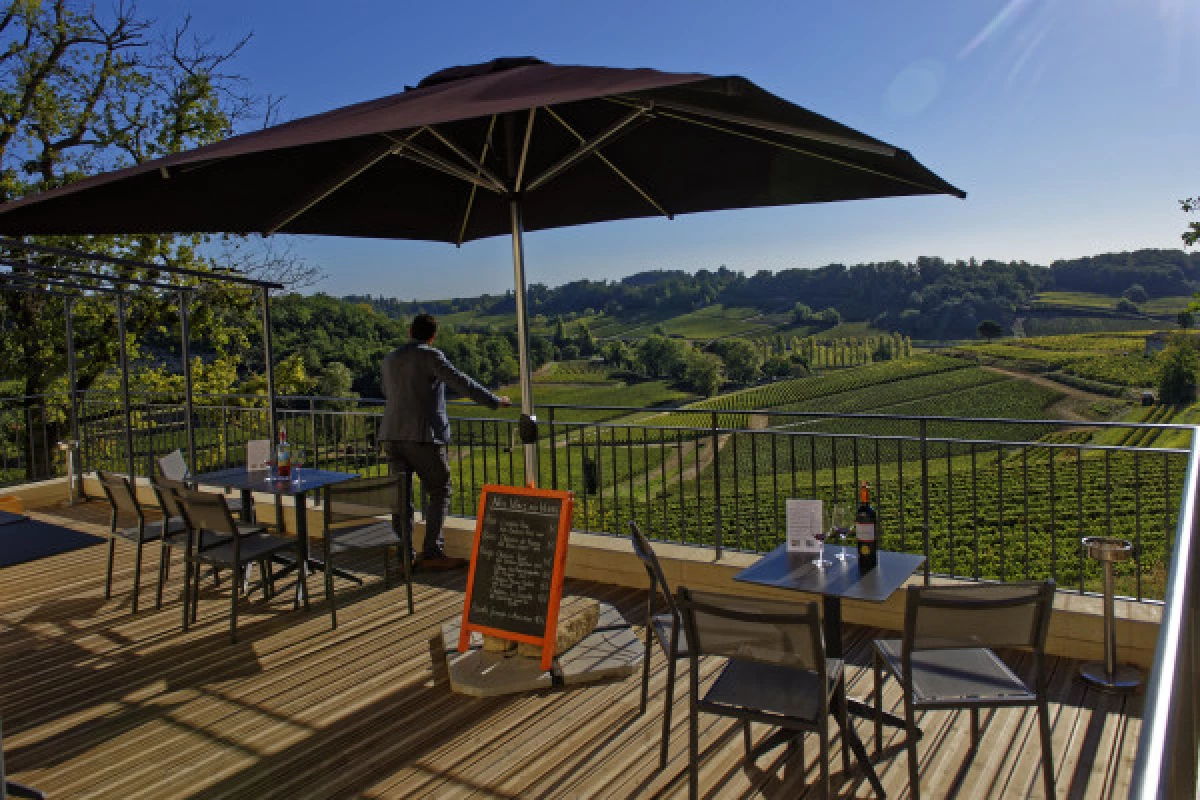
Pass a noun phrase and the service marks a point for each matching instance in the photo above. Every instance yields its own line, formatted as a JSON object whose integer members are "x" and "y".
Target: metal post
{"x": 269, "y": 364}
{"x": 186, "y": 351}
{"x": 125, "y": 384}
{"x": 925, "y": 497}
{"x": 716, "y": 446}
{"x": 72, "y": 396}
{"x": 526, "y": 371}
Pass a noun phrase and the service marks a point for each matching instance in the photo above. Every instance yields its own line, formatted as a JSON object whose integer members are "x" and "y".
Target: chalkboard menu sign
{"x": 514, "y": 586}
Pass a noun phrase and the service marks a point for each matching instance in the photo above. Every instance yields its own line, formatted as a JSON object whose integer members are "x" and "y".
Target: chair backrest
{"x": 364, "y": 497}
{"x": 658, "y": 581}
{"x": 978, "y": 615}
{"x": 173, "y": 467}
{"x": 119, "y": 493}
{"x": 753, "y": 629}
{"x": 258, "y": 453}
{"x": 204, "y": 511}
{"x": 164, "y": 491}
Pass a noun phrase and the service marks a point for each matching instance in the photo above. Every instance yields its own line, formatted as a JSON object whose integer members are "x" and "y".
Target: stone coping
{"x": 1076, "y": 629}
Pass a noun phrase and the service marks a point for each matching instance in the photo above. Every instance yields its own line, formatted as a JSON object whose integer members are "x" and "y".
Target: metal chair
{"x": 776, "y": 671}
{"x": 666, "y": 627}
{"x": 173, "y": 471}
{"x": 352, "y": 524}
{"x": 944, "y": 659}
{"x": 242, "y": 545}
{"x": 123, "y": 500}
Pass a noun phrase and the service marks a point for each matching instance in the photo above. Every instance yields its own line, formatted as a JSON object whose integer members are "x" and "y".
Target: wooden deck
{"x": 98, "y": 703}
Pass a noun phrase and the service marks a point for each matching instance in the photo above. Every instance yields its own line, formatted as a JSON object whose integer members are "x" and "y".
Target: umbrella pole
{"x": 525, "y": 369}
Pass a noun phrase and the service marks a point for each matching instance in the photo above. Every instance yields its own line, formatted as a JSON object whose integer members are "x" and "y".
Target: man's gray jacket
{"x": 415, "y": 377}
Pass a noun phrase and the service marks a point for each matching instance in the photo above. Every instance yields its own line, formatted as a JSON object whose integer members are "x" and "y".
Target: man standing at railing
{"x": 416, "y": 429}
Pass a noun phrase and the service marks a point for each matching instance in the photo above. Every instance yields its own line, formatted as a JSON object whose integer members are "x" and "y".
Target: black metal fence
{"x": 982, "y": 498}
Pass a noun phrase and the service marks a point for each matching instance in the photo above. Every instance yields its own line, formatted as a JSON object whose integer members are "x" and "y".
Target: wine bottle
{"x": 864, "y": 527}
{"x": 283, "y": 456}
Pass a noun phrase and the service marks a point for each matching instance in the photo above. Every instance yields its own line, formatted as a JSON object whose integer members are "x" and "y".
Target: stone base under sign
{"x": 610, "y": 651}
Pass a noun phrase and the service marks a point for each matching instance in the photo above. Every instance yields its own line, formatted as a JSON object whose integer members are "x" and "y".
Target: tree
{"x": 990, "y": 329}
{"x": 88, "y": 87}
{"x": 1177, "y": 372}
{"x": 1192, "y": 234}
{"x": 703, "y": 372}
{"x": 1185, "y": 319}
{"x": 660, "y": 357}
{"x": 336, "y": 380}
{"x": 1127, "y": 306}
{"x": 1135, "y": 294}
{"x": 741, "y": 359}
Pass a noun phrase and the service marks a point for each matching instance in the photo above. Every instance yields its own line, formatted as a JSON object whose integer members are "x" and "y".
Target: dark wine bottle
{"x": 865, "y": 529}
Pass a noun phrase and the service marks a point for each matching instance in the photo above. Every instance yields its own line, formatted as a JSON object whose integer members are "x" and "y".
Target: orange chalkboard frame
{"x": 549, "y": 636}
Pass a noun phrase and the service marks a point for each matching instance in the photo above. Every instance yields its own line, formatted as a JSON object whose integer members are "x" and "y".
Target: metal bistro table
{"x": 250, "y": 481}
{"x": 784, "y": 570}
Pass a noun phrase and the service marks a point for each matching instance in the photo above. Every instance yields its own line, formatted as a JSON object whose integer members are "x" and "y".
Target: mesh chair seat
{"x": 153, "y": 530}
{"x": 772, "y": 689}
{"x": 958, "y": 675}
{"x": 252, "y": 547}
{"x": 661, "y": 625}
{"x": 369, "y": 536}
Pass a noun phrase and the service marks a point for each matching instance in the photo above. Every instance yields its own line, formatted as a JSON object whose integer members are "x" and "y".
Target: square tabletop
{"x": 785, "y": 570}
{"x": 259, "y": 480}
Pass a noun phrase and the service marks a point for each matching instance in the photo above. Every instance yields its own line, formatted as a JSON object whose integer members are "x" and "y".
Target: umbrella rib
{"x": 525, "y": 150}
{"x": 619, "y": 128}
{"x": 487, "y": 143}
{"x": 323, "y": 192}
{"x": 478, "y": 166}
{"x": 420, "y": 155}
{"x": 608, "y": 163}
{"x": 801, "y": 151}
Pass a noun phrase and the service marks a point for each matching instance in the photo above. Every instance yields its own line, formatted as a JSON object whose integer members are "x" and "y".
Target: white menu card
{"x": 804, "y": 521}
{"x": 258, "y": 453}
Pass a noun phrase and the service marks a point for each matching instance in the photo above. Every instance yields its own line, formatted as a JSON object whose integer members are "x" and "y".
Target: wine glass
{"x": 297, "y": 463}
{"x": 844, "y": 517}
{"x": 821, "y": 562}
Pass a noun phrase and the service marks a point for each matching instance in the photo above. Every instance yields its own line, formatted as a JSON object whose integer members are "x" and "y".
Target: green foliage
{"x": 1177, "y": 373}
{"x": 990, "y": 329}
{"x": 1185, "y": 319}
{"x": 741, "y": 359}
{"x": 703, "y": 372}
{"x": 1192, "y": 234}
{"x": 1127, "y": 306}
{"x": 1135, "y": 294}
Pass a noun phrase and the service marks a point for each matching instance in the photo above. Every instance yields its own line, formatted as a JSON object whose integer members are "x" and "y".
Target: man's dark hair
{"x": 423, "y": 328}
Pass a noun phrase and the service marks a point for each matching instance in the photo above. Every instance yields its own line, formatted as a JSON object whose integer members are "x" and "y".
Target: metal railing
{"x": 999, "y": 499}
{"x": 1169, "y": 743}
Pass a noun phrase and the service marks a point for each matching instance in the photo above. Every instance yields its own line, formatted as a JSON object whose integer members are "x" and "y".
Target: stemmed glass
{"x": 831, "y": 514}
{"x": 843, "y": 519}
{"x": 297, "y": 463}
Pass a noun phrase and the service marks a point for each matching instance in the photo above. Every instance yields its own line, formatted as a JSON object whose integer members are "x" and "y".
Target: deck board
{"x": 99, "y": 703}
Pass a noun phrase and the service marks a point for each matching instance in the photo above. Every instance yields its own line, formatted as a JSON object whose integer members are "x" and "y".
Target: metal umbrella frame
{"x": 496, "y": 149}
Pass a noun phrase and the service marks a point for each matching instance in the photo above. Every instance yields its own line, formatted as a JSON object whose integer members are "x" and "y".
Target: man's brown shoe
{"x": 441, "y": 563}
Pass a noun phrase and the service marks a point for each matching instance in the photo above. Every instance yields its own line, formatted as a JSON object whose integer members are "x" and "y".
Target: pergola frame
{"x": 64, "y": 282}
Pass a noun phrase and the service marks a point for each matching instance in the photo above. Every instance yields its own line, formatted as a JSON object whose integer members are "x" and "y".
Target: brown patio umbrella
{"x": 498, "y": 148}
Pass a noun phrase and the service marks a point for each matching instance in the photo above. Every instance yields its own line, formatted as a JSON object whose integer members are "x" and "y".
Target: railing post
{"x": 716, "y": 446}
{"x": 312, "y": 429}
{"x": 925, "y": 496}
{"x": 553, "y": 449}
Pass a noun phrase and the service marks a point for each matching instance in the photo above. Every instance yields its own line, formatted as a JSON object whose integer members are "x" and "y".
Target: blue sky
{"x": 1072, "y": 124}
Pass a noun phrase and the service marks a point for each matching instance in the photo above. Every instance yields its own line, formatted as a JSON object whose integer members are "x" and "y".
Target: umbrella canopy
{"x": 498, "y": 148}
{"x": 442, "y": 161}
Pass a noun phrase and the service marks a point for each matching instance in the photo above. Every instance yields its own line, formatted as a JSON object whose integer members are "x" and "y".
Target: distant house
{"x": 1157, "y": 342}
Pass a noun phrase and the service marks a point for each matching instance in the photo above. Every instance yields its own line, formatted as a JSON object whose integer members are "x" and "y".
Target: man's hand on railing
{"x": 505, "y": 401}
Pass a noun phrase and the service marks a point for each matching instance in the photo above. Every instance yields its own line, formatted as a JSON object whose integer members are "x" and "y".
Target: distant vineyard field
{"x": 1115, "y": 358}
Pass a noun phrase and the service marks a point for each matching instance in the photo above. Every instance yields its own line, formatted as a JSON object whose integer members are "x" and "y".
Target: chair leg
{"x": 1047, "y": 750}
{"x": 137, "y": 575}
{"x": 164, "y": 561}
{"x": 910, "y": 734}
{"x": 236, "y": 586}
{"x": 823, "y": 733}
{"x": 844, "y": 724}
{"x": 329, "y": 593}
{"x": 693, "y": 741}
{"x": 668, "y": 704}
{"x": 747, "y": 738}
{"x": 646, "y": 670}
{"x": 877, "y": 668}
{"x": 974, "y": 729}
{"x": 196, "y": 594}
{"x": 406, "y": 560}
{"x": 387, "y": 568}
{"x": 112, "y": 551}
